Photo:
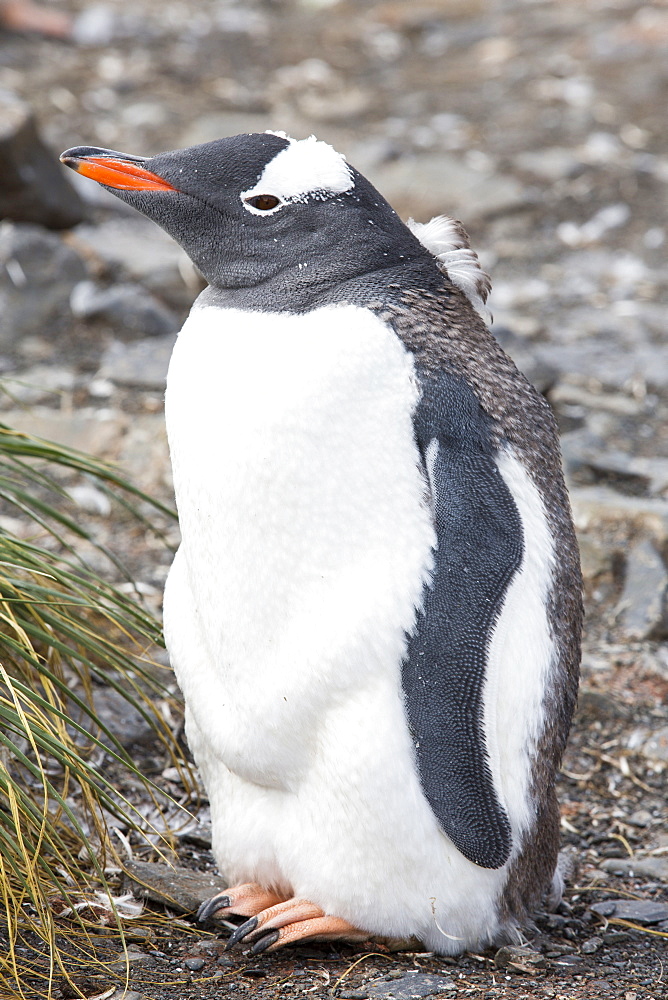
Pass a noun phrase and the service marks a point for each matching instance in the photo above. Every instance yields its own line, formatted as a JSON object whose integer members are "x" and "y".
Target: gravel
{"x": 542, "y": 125}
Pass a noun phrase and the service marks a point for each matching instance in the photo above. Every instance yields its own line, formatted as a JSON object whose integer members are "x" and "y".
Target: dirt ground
{"x": 540, "y": 123}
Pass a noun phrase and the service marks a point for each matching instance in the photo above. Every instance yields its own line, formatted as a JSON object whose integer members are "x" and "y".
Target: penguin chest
{"x": 306, "y": 535}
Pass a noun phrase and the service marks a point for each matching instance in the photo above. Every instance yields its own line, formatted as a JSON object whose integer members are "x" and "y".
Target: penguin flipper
{"x": 479, "y": 549}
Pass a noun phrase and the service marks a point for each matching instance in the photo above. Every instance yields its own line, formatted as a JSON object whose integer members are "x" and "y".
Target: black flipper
{"x": 480, "y": 548}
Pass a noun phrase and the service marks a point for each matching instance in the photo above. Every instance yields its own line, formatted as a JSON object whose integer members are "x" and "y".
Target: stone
{"x": 521, "y": 958}
{"x": 639, "y": 911}
{"x": 178, "y": 888}
{"x": 409, "y": 986}
{"x": 33, "y": 185}
{"x": 584, "y": 450}
{"x": 142, "y": 364}
{"x": 596, "y": 557}
{"x": 641, "y": 606}
{"x": 122, "y": 720}
{"x": 551, "y": 164}
{"x": 135, "y": 248}
{"x": 599, "y": 706}
{"x": 591, "y": 945}
{"x": 40, "y": 383}
{"x": 144, "y": 455}
{"x": 194, "y": 964}
{"x": 594, "y": 506}
{"x": 126, "y": 308}
{"x": 591, "y": 357}
{"x": 655, "y": 748}
{"x": 96, "y": 432}
{"x": 653, "y": 868}
{"x": 431, "y": 184}
{"x": 37, "y": 274}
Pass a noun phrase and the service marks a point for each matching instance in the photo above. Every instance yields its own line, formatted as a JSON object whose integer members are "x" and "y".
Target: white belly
{"x": 306, "y": 541}
{"x": 306, "y": 544}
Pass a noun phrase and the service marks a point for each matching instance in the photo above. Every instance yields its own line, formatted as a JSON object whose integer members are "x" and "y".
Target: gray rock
{"x": 413, "y": 984}
{"x": 441, "y": 183}
{"x": 582, "y": 449}
{"x": 33, "y": 185}
{"x": 178, "y": 888}
{"x": 654, "y": 868}
{"x": 600, "y": 706}
{"x": 126, "y": 308}
{"x": 122, "y": 719}
{"x": 591, "y": 945}
{"x": 142, "y": 364}
{"x": 37, "y": 274}
{"x": 194, "y": 964}
{"x": 137, "y": 249}
{"x": 97, "y": 432}
{"x": 655, "y": 748}
{"x": 592, "y": 357}
{"x": 519, "y": 958}
{"x": 594, "y": 506}
{"x": 39, "y": 383}
{"x": 641, "y": 606}
{"x": 551, "y": 164}
{"x": 96, "y": 25}
{"x": 640, "y": 911}
{"x": 596, "y": 556}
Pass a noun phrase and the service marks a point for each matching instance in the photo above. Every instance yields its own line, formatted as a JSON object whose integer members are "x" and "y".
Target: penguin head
{"x": 257, "y": 208}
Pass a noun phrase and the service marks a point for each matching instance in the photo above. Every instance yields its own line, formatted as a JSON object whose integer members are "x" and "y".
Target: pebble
{"x": 654, "y": 868}
{"x": 641, "y": 607}
{"x": 591, "y": 945}
{"x": 33, "y": 185}
{"x": 179, "y": 888}
{"x": 127, "y": 308}
{"x": 640, "y": 911}
{"x": 441, "y": 183}
{"x": 136, "y": 249}
{"x": 194, "y": 964}
{"x": 655, "y": 748}
{"x": 37, "y": 274}
{"x": 518, "y": 956}
{"x": 409, "y": 986}
{"x": 142, "y": 364}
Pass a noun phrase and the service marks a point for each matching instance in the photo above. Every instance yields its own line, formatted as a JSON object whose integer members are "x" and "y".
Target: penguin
{"x": 375, "y": 611}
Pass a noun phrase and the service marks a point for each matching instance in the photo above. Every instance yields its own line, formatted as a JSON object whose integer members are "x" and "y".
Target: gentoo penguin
{"x": 375, "y": 611}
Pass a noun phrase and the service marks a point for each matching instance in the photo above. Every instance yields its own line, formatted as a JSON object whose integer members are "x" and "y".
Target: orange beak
{"x": 113, "y": 170}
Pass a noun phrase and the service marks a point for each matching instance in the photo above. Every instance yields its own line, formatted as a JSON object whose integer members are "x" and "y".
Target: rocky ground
{"x": 540, "y": 124}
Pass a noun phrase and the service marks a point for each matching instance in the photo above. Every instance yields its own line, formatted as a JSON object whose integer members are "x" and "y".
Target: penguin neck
{"x": 299, "y": 293}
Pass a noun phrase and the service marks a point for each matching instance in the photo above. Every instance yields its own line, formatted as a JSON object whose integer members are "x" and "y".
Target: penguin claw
{"x": 245, "y": 900}
{"x": 265, "y": 942}
{"x": 210, "y": 906}
{"x": 241, "y": 932}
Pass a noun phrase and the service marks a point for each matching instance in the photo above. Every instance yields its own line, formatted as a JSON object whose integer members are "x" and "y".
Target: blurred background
{"x": 541, "y": 124}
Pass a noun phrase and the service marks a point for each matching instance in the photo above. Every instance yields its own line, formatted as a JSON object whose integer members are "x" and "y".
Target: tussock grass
{"x": 64, "y": 631}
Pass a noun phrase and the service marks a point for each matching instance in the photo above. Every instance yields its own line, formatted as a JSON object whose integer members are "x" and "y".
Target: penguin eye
{"x": 263, "y": 202}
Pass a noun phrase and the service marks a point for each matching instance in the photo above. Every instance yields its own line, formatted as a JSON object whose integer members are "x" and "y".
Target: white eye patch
{"x": 307, "y": 168}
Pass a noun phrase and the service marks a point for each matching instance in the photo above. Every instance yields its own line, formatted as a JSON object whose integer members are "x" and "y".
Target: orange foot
{"x": 292, "y": 920}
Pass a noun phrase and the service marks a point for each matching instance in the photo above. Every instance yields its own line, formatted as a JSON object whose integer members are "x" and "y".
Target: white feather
{"x": 521, "y": 655}
{"x": 286, "y": 613}
{"x": 306, "y": 168}
{"x": 447, "y": 240}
